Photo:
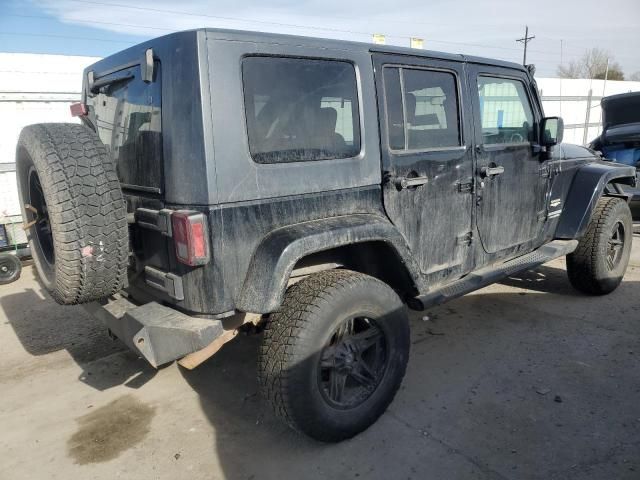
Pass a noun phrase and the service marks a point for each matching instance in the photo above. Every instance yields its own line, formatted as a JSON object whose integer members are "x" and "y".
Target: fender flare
{"x": 588, "y": 186}
{"x": 278, "y": 252}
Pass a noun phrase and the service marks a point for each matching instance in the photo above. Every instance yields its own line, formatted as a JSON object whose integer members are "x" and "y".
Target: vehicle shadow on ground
{"x": 545, "y": 279}
{"x": 44, "y": 327}
{"x": 474, "y": 403}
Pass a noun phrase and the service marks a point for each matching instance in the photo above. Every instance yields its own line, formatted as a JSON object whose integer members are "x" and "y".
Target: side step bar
{"x": 493, "y": 274}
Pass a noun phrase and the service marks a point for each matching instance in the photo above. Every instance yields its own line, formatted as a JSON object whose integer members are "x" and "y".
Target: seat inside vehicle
{"x": 425, "y": 127}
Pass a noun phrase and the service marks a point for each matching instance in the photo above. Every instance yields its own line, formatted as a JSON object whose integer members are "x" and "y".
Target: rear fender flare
{"x": 589, "y": 184}
{"x": 279, "y": 251}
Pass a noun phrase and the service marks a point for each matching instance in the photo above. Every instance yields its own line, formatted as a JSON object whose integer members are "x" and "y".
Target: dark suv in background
{"x": 620, "y": 137}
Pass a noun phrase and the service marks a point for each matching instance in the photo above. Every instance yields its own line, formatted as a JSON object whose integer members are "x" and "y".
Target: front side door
{"x": 427, "y": 159}
{"x": 511, "y": 181}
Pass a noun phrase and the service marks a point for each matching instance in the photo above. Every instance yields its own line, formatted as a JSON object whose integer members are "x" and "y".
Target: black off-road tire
{"x": 79, "y": 241}
{"x": 296, "y": 336}
{"x": 10, "y": 268}
{"x": 588, "y": 267}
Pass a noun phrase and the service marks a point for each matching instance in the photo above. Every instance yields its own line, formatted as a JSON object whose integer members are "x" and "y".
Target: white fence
{"x": 33, "y": 88}
{"x": 577, "y": 101}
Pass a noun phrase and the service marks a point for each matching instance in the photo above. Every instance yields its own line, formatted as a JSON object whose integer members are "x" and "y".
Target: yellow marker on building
{"x": 417, "y": 42}
{"x": 379, "y": 39}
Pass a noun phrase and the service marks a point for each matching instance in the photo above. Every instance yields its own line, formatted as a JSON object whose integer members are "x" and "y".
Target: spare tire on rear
{"x": 73, "y": 206}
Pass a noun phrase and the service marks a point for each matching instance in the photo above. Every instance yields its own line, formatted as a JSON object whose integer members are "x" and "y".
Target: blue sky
{"x": 27, "y": 27}
{"x": 90, "y": 27}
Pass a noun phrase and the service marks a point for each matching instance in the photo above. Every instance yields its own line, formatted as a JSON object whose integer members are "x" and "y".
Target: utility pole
{"x": 561, "y": 65}
{"x": 525, "y": 41}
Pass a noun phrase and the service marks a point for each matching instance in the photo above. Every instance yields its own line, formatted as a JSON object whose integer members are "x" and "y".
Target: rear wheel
{"x": 334, "y": 355}
{"x": 597, "y": 266}
{"x": 72, "y": 202}
{"x": 10, "y": 268}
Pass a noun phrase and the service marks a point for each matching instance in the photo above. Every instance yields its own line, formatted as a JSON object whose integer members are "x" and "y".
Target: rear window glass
{"x": 422, "y": 109}
{"x": 129, "y": 122}
{"x": 300, "y": 109}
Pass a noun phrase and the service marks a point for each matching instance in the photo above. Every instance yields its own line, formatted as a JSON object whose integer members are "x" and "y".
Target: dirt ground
{"x": 525, "y": 379}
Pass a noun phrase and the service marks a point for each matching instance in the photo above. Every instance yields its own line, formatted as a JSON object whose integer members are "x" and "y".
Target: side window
{"x": 422, "y": 109}
{"x": 300, "y": 109}
{"x": 395, "y": 113}
{"x": 505, "y": 111}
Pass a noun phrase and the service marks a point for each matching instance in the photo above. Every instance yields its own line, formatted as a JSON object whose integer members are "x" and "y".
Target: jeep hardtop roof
{"x": 277, "y": 38}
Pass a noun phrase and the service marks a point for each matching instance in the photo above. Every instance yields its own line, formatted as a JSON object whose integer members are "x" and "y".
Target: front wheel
{"x": 597, "y": 266}
{"x": 334, "y": 355}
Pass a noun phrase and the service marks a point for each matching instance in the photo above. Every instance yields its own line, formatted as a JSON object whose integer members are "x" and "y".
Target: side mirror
{"x": 551, "y": 131}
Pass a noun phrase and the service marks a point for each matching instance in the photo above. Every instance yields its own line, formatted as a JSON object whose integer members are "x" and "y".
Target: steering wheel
{"x": 516, "y": 138}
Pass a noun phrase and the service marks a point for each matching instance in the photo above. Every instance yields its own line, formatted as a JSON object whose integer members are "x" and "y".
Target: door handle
{"x": 408, "y": 182}
{"x": 492, "y": 170}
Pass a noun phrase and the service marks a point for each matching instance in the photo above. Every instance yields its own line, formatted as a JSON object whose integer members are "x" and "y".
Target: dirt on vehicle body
{"x": 313, "y": 188}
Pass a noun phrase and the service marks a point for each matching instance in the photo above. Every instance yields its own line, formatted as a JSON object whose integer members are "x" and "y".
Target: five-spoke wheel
{"x": 353, "y": 363}
{"x": 334, "y": 354}
{"x": 597, "y": 266}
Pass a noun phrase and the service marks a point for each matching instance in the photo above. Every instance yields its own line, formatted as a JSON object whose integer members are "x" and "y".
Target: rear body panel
{"x": 160, "y": 161}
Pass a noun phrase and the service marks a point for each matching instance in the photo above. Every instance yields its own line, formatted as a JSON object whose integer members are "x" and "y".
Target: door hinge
{"x": 542, "y": 215}
{"x": 545, "y": 171}
{"x": 465, "y": 239}
{"x": 465, "y": 187}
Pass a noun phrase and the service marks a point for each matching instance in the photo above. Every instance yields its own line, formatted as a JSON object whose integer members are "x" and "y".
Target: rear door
{"x": 427, "y": 159}
{"x": 511, "y": 178}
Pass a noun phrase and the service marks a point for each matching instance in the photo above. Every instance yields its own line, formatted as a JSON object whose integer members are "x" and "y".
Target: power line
{"x": 308, "y": 27}
{"x": 29, "y": 34}
{"x": 237, "y": 19}
{"x": 69, "y": 37}
{"x": 92, "y": 22}
{"x": 293, "y": 25}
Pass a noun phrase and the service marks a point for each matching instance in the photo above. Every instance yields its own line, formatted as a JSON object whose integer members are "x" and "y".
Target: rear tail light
{"x": 78, "y": 110}
{"x": 189, "y": 231}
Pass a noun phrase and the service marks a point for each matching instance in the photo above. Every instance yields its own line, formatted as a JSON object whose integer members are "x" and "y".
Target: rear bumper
{"x": 158, "y": 333}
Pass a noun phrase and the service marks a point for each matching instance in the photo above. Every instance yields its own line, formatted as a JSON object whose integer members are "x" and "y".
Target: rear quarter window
{"x": 300, "y": 109}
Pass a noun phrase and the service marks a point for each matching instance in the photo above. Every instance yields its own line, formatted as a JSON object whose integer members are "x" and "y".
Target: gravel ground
{"x": 524, "y": 379}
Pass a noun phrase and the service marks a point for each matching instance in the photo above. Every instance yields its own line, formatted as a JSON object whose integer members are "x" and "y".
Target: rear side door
{"x": 511, "y": 178}
{"x": 427, "y": 159}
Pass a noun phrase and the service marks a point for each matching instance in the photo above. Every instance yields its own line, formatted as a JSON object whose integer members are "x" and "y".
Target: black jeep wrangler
{"x": 313, "y": 188}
